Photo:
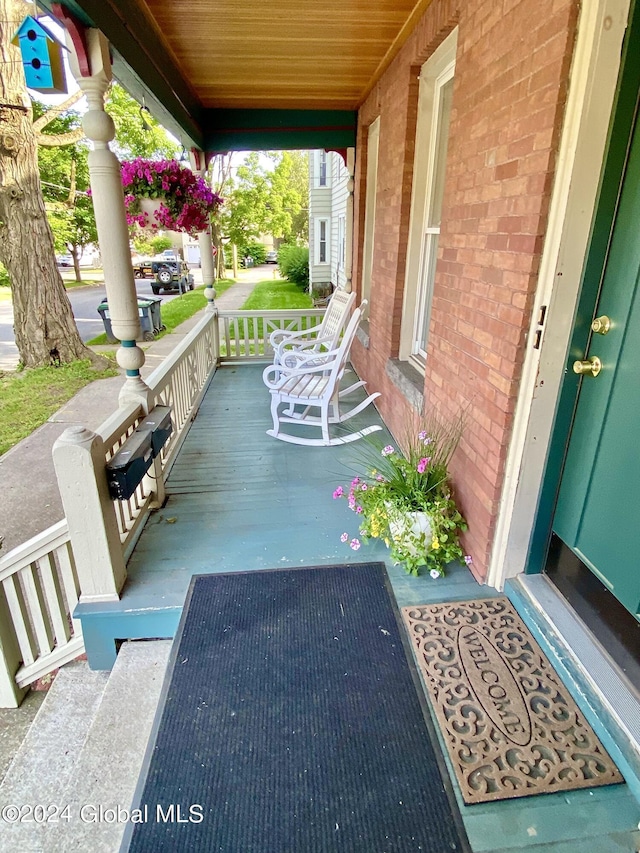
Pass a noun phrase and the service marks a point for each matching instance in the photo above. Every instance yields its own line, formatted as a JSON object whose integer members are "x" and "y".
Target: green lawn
{"x": 89, "y": 277}
{"x": 178, "y": 310}
{"x": 271, "y": 294}
{"x": 28, "y": 398}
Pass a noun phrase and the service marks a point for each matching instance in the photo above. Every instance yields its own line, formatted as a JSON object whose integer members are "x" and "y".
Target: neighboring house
{"x": 328, "y": 193}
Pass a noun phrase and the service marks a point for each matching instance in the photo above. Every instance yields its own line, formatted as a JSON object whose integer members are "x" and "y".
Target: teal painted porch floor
{"x": 240, "y": 500}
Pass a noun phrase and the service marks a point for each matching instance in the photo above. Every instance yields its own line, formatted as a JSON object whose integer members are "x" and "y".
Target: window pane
{"x": 440, "y": 153}
{"x": 323, "y": 169}
{"x": 423, "y": 317}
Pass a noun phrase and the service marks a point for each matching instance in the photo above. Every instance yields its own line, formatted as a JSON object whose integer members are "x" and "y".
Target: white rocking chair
{"x": 315, "y": 384}
{"x": 319, "y": 339}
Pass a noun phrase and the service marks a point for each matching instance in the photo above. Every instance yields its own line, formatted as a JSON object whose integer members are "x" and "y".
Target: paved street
{"x": 84, "y": 302}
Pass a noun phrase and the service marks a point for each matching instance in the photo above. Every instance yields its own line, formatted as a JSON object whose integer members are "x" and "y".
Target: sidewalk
{"x": 29, "y": 497}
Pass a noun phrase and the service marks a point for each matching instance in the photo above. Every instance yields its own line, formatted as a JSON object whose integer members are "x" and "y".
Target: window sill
{"x": 362, "y": 333}
{"x": 408, "y": 380}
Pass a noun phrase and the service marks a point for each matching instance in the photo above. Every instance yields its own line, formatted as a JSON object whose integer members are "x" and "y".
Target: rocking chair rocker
{"x": 315, "y": 384}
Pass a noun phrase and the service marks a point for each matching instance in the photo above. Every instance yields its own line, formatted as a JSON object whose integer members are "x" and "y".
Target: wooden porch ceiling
{"x": 197, "y": 61}
{"x": 285, "y": 54}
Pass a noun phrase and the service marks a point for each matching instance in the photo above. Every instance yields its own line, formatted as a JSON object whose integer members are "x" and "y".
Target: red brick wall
{"x": 509, "y": 93}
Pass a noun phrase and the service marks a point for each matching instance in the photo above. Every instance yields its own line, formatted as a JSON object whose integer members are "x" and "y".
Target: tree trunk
{"x": 45, "y": 330}
{"x": 216, "y": 240}
{"x": 75, "y": 254}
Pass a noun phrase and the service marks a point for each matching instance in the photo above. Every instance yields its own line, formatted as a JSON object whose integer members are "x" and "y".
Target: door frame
{"x": 557, "y": 334}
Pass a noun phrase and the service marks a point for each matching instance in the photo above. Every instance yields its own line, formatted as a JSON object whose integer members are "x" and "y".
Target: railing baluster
{"x": 20, "y": 618}
{"x": 37, "y": 609}
{"x": 69, "y": 582}
{"x": 54, "y": 599}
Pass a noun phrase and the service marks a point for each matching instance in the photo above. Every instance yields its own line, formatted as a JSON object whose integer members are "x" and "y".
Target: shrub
{"x": 294, "y": 264}
{"x": 5, "y": 281}
{"x": 254, "y": 250}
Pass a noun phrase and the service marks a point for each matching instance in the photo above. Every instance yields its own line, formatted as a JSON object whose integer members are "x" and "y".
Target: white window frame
{"x": 436, "y": 72}
{"x": 322, "y": 169}
{"x": 371, "y": 189}
{"x": 342, "y": 241}
{"x": 318, "y": 223}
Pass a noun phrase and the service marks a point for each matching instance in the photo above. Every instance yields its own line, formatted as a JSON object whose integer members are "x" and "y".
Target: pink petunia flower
{"x": 355, "y": 544}
{"x": 388, "y": 450}
{"x": 422, "y": 464}
{"x": 339, "y": 492}
{"x": 344, "y": 537}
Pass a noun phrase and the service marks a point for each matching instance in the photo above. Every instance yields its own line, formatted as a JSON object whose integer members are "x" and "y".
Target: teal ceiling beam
{"x": 141, "y": 64}
{"x": 272, "y": 130}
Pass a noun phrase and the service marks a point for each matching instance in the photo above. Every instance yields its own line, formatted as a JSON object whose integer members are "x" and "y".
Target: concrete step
{"x": 45, "y": 761}
{"x": 108, "y": 767}
{"x": 82, "y": 755}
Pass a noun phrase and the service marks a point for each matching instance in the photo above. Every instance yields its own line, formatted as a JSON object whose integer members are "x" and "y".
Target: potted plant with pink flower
{"x": 165, "y": 194}
{"x": 406, "y": 500}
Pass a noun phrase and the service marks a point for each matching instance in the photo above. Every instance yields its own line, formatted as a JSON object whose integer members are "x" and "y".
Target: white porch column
{"x": 348, "y": 237}
{"x": 108, "y": 204}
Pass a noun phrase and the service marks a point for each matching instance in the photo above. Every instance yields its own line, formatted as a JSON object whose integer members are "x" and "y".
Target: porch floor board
{"x": 240, "y": 500}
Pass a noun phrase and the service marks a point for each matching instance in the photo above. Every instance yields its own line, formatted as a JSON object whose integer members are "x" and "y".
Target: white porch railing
{"x": 244, "y": 335}
{"x": 39, "y": 585}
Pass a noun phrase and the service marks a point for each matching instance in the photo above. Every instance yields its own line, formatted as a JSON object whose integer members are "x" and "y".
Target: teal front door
{"x": 598, "y": 509}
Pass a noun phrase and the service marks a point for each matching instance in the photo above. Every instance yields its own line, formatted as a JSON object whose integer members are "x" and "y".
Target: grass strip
{"x": 178, "y": 310}
{"x": 28, "y": 398}
{"x": 271, "y": 294}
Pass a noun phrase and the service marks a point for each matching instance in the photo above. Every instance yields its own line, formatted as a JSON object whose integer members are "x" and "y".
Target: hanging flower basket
{"x": 164, "y": 194}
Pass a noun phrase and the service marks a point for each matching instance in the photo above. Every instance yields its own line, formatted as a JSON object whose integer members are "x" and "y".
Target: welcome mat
{"x": 294, "y": 721}
{"x": 510, "y": 726}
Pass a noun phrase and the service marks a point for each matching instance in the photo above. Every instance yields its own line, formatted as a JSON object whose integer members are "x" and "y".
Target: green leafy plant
{"x": 294, "y": 264}
{"x": 256, "y": 251}
{"x": 392, "y": 487}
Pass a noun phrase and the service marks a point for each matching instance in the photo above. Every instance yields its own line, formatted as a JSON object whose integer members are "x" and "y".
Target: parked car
{"x": 64, "y": 260}
{"x": 171, "y": 275}
{"x": 271, "y": 258}
{"x": 142, "y": 267}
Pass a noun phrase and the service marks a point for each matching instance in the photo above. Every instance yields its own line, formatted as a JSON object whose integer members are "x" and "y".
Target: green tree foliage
{"x": 64, "y": 175}
{"x": 288, "y": 212}
{"x": 137, "y": 133}
{"x": 243, "y": 216}
{"x": 267, "y": 200}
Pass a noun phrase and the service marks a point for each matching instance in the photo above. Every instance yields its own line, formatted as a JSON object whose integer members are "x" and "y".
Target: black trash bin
{"x": 156, "y": 316}
{"x": 103, "y": 310}
{"x": 148, "y": 312}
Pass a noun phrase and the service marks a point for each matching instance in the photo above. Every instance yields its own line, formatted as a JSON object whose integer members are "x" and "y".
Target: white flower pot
{"x": 150, "y": 206}
{"x": 411, "y": 532}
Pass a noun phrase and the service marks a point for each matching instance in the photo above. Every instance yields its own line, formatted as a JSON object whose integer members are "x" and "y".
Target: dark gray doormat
{"x": 510, "y": 726}
{"x": 293, "y": 721}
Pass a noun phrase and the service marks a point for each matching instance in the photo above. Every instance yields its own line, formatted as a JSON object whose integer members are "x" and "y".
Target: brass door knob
{"x": 601, "y": 325}
{"x": 589, "y": 367}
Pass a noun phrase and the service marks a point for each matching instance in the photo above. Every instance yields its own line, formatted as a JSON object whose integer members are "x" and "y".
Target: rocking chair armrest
{"x": 305, "y": 366}
{"x": 289, "y": 346}
{"x": 287, "y": 335}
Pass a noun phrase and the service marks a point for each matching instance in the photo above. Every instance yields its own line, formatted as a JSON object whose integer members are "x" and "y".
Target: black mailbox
{"x": 127, "y": 468}
{"x": 158, "y": 423}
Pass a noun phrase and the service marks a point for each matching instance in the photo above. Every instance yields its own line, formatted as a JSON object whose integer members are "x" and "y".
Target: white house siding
{"x": 326, "y": 204}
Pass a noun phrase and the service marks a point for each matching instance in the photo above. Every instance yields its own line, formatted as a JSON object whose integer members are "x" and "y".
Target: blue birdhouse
{"x": 41, "y": 58}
